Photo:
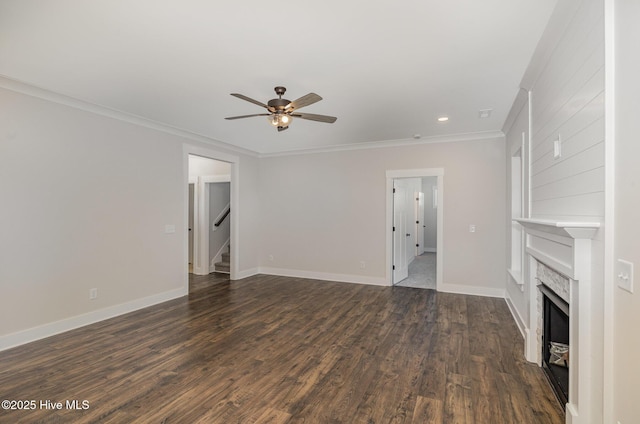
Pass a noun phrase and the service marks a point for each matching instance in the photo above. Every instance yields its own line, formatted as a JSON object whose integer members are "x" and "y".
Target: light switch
{"x": 557, "y": 148}
{"x": 169, "y": 229}
{"x": 624, "y": 275}
{"x": 472, "y": 228}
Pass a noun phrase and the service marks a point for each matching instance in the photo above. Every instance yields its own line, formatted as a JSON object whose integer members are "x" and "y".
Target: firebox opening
{"x": 555, "y": 343}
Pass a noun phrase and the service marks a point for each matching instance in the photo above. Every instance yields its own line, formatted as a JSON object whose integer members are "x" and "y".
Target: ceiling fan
{"x": 282, "y": 111}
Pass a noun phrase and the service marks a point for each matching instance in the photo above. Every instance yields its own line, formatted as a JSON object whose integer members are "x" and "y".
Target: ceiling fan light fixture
{"x": 281, "y": 111}
{"x": 280, "y": 120}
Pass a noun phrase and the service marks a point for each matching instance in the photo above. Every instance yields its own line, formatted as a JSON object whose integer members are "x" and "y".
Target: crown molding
{"x": 42, "y": 93}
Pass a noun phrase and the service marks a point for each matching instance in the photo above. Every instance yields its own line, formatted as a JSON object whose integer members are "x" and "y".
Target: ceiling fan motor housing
{"x": 278, "y": 104}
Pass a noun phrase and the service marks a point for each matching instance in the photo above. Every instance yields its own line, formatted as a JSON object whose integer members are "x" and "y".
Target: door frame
{"x": 202, "y": 222}
{"x": 189, "y": 149}
{"x": 415, "y": 173}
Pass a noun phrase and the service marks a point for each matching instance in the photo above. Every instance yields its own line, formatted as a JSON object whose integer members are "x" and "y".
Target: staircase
{"x": 224, "y": 266}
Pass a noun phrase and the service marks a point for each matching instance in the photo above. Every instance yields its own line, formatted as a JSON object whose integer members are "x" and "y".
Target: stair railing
{"x": 225, "y": 213}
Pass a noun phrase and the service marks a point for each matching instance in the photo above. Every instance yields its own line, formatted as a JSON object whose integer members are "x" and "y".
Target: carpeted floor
{"x": 422, "y": 272}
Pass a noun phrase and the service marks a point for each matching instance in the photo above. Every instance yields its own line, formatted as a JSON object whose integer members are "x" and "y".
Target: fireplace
{"x": 555, "y": 342}
{"x": 559, "y": 257}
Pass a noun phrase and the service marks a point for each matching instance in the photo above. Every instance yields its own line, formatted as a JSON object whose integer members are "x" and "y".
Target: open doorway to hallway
{"x": 209, "y": 219}
{"x": 414, "y": 245}
{"x": 421, "y": 215}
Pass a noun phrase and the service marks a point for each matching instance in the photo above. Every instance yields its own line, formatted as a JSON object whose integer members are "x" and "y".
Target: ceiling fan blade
{"x": 248, "y": 116}
{"x": 303, "y": 101}
{"x": 314, "y": 117}
{"x": 250, "y": 100}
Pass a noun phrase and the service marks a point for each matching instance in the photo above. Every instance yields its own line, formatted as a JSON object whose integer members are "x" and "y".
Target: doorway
{"x": 414, "y": 240}
{"x": 209, "y": 213}
{"x": 204, "y": 168}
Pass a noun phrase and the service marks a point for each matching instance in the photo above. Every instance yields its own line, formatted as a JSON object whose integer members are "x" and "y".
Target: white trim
{"x": 517, "y": 277}
{"x": 609, "y": 340}
{"x": 430, "y": 250}
{"x": 41, "y": 93}
{"x": 572, "y": 229}
{"x": 472, "y": 290}
{"x": 415, "y": 173}
{"x": 517, "y": 318}
{"x": 67, "y": 324}
{"x": 216, "y": 178}
{"x": 201, "y": 229}
{"x": 578, "y": 237}
{"x": 246, "y": 273}
{"x": 325, "y": 276}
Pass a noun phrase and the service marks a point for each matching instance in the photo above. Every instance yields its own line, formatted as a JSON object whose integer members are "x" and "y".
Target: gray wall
{"x": 331, "y": 215}
{"x": 85, "y": 201}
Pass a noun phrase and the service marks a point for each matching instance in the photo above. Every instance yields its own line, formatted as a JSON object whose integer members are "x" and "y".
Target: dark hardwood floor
{"x": 284, "y": 350}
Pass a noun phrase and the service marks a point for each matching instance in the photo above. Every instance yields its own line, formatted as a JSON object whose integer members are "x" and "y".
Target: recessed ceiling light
{"x": 443, "y": 119}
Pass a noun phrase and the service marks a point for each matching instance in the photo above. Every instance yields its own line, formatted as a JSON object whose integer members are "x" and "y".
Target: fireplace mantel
{"x": 572, "y": 229}
{"x": 562, "y": 245}
{"x": 565, "y": 246}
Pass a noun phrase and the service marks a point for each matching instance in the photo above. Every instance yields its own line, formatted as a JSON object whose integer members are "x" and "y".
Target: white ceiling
{"x": 386, "y": 68}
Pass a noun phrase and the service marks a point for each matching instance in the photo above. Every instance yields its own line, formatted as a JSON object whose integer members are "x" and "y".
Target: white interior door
{"x": 190, "y": 224}
{"x": 419, "y": 214}
{"x": 400, "y": 263}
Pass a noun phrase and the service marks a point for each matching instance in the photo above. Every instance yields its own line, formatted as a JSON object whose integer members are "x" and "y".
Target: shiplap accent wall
{"x": 568, "y": 102}
{"x": 566, "y": 83}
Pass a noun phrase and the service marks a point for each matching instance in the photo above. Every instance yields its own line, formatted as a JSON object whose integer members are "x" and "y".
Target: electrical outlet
{"x": 472, "y": 228}
{"x": 93, "y": 293}
{"x": 363, "y": 264}
{"x": 270, "y": 258}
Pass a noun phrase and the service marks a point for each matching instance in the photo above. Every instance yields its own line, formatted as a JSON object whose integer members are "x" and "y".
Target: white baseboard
{"x": 247, "y": 273}
{"x": 572, "y": 414}
{"x": 471, "y": 290}
{"x": 430, "y": 250}
{"x": 57, "y": 327}
{"x": 516, "y": 317}
{"x": 325, "y": 276}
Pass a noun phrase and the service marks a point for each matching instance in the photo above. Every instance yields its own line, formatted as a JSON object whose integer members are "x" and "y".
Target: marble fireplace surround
{"x": 561, "y": 252}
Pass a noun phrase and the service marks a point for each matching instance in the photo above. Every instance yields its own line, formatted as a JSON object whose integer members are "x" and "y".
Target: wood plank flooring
{"x": 284, "y": 350}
